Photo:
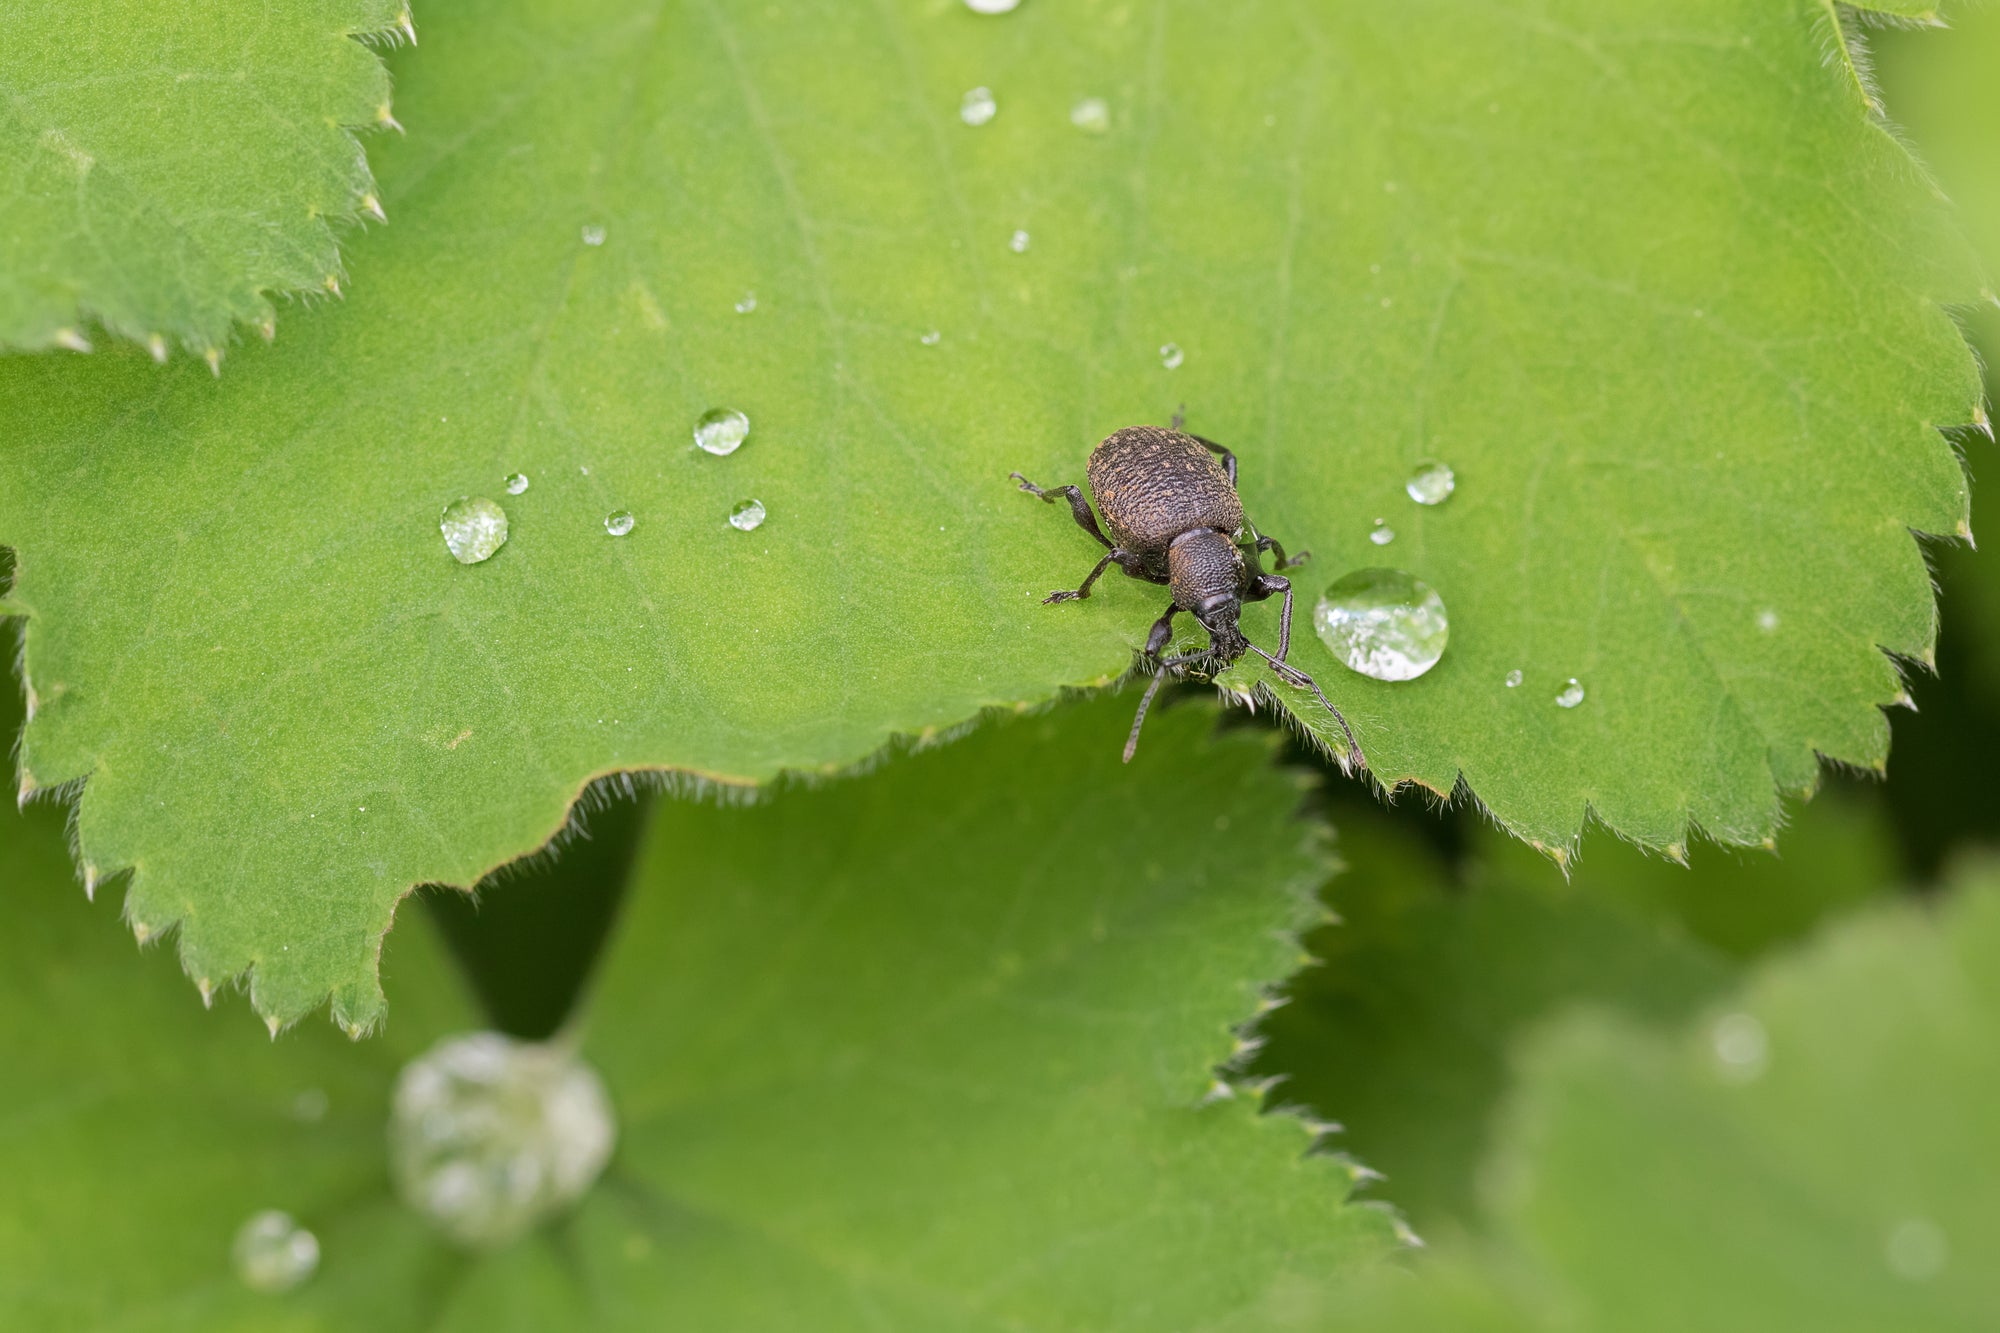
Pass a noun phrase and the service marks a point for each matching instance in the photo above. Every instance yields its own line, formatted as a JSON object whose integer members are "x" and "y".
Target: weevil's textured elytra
{"x": 1170, "y": 501}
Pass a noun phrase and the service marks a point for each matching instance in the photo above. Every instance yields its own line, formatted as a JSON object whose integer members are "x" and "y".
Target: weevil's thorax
{"x": 1207, "y": 572}
{"x": 1152, "y": 485}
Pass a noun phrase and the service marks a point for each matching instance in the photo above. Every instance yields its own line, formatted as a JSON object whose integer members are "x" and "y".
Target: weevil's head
{"x": 1207, "y": 574}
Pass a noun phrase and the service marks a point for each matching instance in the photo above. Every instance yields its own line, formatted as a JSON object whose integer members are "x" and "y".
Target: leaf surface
{"x": 171, "y": 168}
{"x": 881, "y": 1060}
{"x": 1656, "y": 287}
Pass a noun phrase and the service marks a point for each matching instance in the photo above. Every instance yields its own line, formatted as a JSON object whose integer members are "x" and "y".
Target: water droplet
{"x": 1018, "y": 242}
{"x": 1171, "y": 355}
{"x": 1383, "y": 623}
{"x": 977, "y": 106}
{"x": 593, "y": 235}
{"x": 721, "y": 431}
{"x": 517, "y": 482}
{"x": 474, "y": 528}
{"x": 1382, "y": 534}
{"x": 1767, "y": 620}
{"x": 1571, "y": 694}
{"x": 489, "y": 1135}
{"x": 747, "y": 515}
{"x": 992, "y": 6}
{"x": 931, "y": 339}
{"x": 747, "y": 304}
{"x": 1916, "y": 1249}
{"x": 1092, "y": 115}
{"x": 273, "y": 1253}
{"x": 618, "y": 522}
{"x": 1514, "y": 678}
{"x": 1740, "y": 1046}
{"x": 1431, "y": 483}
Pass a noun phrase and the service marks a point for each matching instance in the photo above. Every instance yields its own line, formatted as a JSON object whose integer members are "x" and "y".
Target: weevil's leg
{"x": 1265, "y": 587}
{"x": 1125, "y": 560}
{"x": 1166, "y": 667}
{"x": 1163, "y": 629}
{"x": 1292, "y": 676}
{"x": 1228, "y": 459}
{"x": 1077, "y": 504}
{"x": 1271, "y": 544}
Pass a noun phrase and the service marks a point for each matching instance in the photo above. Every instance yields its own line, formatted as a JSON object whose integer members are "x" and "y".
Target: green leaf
{"x": 1841, "y": 1180}
{"x": 1665, "y": 298}
{"x": 933, "y": 1049}
{"x": 1432, "y": 976}
{"x": 171, "y": 168}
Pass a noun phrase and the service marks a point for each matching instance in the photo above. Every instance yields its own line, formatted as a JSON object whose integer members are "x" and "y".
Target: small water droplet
{"x": 273, "y": 1253}
{"x": 1514, "y": 678}
{"x": 931, "y": 339}
{"x": 1382, "y": 534}
{"x": 517, "y": 482}
{"x": 474, "y": 528}
{"x": 747, "y": 304}
{"x": 1171, "y": 355}
{"x": 489, "y": 1135}
{"x": 1571, "y": 694}
{"x": 309, "y": 1107}
{"x": 1383, "y": 623}
{"x": 977, "y": 106}
{"x": 1431, "y": 484}
{"x": 992, "y": 6}
{"x": 1092, "y": 115}
{"x": 721, "y": 431}
{"x": 593, "y": 235}
{"x": 747, "y": 515}
{"x": 1740, "y": 1046}
{"x": 1767, "y": 620}
{"x": 618, "y": 522}
{"x": 1018, "y": 242}
{"x": 1916, "y": 1249}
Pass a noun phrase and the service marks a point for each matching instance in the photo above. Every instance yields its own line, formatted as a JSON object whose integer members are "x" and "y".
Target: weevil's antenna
{"x": 1291, "y": 675}
{"x": 1145, "y": 702}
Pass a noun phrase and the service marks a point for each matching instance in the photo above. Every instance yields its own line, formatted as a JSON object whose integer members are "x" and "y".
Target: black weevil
{"x": 1170, "y": 501}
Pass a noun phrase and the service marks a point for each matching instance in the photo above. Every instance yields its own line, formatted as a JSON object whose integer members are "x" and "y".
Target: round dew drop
{"x": 618, "y": 522}
{"x": 1018, "y": 242}
{"x": 747, "y": 516}
{"x": 1171, "y": 355}
{"x": 931, "y": 339}
{"x": 517, "y": 483}
{"x": 1092, "y": 115}
{"x": 1514, "y": 678}
{"x": 1382, "y": 534}
{"x": 1571, "y": 695}
{"x": 1384, "y": 623}
{"x": 474, "y": 528}
{"x": 489, "y": 1135}
{"x": 721, "y": 431}
{"x": 593, "y": 235}
{"x": 273, "y": 1253}
{"x": 992, "y": 6}
{"x": 747, "y": 304}
{"x": 977, "y": 106}
{"x": 1431, "y": 484}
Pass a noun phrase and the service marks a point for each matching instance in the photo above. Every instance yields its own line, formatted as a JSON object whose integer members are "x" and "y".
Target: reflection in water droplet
{"x": 1382, "y": 534}
{"x": 474, "y": 528}
{"x": 1514, "y": 678}
{"x": 1171, "y": 355}
{"x": 931, "y": 339}
{"x": 1383, "y": 623}
{"x": 1916, "y": 1249}
{"x": 721, "y": 430}
{"x": 489, "y": 1135}
{"x": 618, "y": 522}
{"x": 593, "y": 235}
{"x": 517, "y": 482}
{"x": 1431, "y": 483}
{"x": 1571, "y": 695}
{"x": 977, "y": 106}
{"x": 747, "y": 304}
{"x": 747, "y": 515}
{"x": 273, "y": 1253}
{"x": 1740, "y": 1046}
{"x": 1018, "y": 242}
{"x": 1092, "y": 115}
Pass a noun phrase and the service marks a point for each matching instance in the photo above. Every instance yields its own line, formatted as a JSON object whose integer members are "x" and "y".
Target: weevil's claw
{"x": 1026, "y": 485}
{"x": 1297, "y": 560}
{"x": 1069, "y": 596}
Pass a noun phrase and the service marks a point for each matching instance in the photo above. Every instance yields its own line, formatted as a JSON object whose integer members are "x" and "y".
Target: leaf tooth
{"x": 273, "y": 1025}
{"x": 269, "y": 328}
{"x": 383, "y": 118}
{"x": 157, "y": 345}
{"x": 333, "y": 283}
{"x": 1676, "y": 852}
{"x": 207, "y": 989}
{"x": 1981, "y": 420}
{"x": 141, "y": 931}
{"x": 373, "y": 208}
{"x": 89, "y": 882}
{"x": 71, "y": 339}
{"x": 1218, "y": 1091}
{"x": 27, "y": 792}
{"x": 214, "y": 358}
{"x": 409, "y": 28}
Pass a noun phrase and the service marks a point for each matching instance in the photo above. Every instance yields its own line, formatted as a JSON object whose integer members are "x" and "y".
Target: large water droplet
{"x": 747, "y": 515}
{"x": 517, "y": 483}
{"x": 618, "y": 522}
{"x": 273, "y": 1253}
{"x": 474, "y": 528}
{"x": 721, "y": 430}
{"x": 1382, "y": 534}
{"x": 1019, "y": 242}
{"x": 977, "y": 106}
{"x": 1514, "y": 678}
{"x": 1571, "y": 694}
{"x": 1092, "y": 115}
{"x": 1431, "y": 483}
{"x": 1171, "y": 355}
{"x": 593, "y": 235}
{"x": 992, "y": 6}
{"x": 1383, "y": 623}
{"x": 490, "y": 1135}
